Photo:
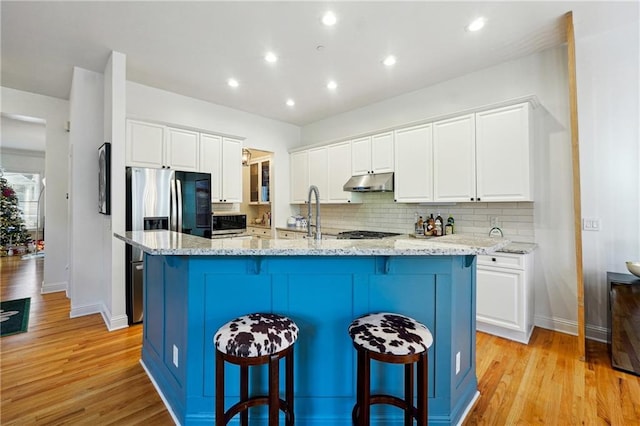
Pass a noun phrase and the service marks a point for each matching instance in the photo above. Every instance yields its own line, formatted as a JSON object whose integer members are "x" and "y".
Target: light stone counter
{"x": 162, "y": 242}
{"x": 519, "y": 248}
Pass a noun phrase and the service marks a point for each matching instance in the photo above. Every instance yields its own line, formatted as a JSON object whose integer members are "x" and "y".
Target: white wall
{"x": 86, "y": 112}
{"x": 147, "y": 103}
{"x": 544, "y": 75}
{"x": 608, "y": 96}
{"x": 55, "y": 112}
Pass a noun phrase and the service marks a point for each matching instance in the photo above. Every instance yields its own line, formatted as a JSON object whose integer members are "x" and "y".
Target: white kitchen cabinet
{"x": 259, "y": 232}
{"x": 484, "y": 156}
{"x": 339, "y": 167}
{"x": 299, "y": 172}
{"x": 260, "y": 181}
{"x": 372, "y": 154}
{"x": 503, "y": 154}
{"x": 222, "y": 157}
{"x": 454, "y": 159}
{"x": 182, "y": 149}
{"x": 157, "y": 146}
{"x": 145, "y": 144}
{"x": 413, "y": 179}
{"x": 319, "y": 171}
{"x": 505, "y": 295}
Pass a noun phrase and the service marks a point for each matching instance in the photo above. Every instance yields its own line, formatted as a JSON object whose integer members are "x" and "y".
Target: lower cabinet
{"x": 505, "y": 298}
{"x": 259, "y": 232}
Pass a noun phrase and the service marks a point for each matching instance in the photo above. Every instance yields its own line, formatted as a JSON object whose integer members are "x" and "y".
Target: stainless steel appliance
{"x": 624, "y": 322}
{"x": 162, "y": 199}
{"x": 228, "y": 223}
{"x": 381, "y": 182}
{"x": 363, "y": 235}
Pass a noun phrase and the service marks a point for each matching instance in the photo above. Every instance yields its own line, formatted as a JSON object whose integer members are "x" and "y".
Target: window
{"x": 27, "y": 188}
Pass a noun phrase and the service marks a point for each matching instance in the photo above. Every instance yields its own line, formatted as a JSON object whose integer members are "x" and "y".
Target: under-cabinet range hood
{"x": 381, "y": 182}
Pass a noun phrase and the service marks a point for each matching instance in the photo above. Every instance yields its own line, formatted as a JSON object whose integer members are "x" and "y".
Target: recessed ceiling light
{"x": 233, "y": 82}
{"x": 389, "y": 60}
{"x": 332, "y": 85}
{"x": 476, "y": 24}
{"x": 270, "y": 57}
{"x": 290, "y": 102}
{"x": 329, "y": 19}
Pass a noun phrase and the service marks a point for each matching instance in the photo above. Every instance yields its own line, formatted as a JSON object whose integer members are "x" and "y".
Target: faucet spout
{"x": 313, "y": 190}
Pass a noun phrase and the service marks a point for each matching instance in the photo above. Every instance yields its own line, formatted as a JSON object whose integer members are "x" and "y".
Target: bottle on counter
{"x": 439, "y": 225}
{"x": 448, "y": 228}
{"x": 419, "y": 226}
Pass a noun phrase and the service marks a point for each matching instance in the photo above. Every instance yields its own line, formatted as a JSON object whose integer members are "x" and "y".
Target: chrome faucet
{"x": 314, "y": 189}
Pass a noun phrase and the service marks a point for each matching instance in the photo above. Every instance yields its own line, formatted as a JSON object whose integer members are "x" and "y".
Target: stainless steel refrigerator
{"x": 162, "y": 199}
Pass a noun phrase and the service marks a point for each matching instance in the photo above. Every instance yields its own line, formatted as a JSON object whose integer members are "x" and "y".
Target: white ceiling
{"x": 192, "y": 48}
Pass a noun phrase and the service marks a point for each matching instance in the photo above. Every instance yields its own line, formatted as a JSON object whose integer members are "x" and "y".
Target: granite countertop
{"x": 161, "y": 242}
{"x": 518, "y": 248}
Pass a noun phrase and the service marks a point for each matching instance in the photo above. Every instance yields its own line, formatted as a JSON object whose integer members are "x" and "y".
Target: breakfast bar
{"x": 193, "y": 285}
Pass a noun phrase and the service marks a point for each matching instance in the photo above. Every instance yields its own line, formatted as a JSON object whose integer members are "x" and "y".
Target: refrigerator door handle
{"x": 179, "y": 203}
{"x": 174, "y": 205}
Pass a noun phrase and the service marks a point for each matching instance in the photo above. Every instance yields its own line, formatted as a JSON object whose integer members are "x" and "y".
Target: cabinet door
{"x": 182, "y": 149}
{"x": 145, "y": 144}
{"x": 503, "y": 159}
{"x": 299, "y": 176}
{"x": 499, "y": 297}
{"x": 454, "y": 169}
{"x": 339, "y": 166}
{"x": 211, "y": 162}
{"x": 382, "y": 153}
{"x": 413, "y": 179}
{"x": 318, "y": 171}
{"x": 361, "y": 156}
{"x": 231, "y": 170}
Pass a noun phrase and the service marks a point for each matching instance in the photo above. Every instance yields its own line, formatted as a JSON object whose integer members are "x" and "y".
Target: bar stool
{"x": 396, "y": 339}
{"x": 250, "y": 340}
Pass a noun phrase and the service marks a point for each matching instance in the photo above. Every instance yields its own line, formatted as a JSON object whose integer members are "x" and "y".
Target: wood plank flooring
{"x": 72, "y": 371}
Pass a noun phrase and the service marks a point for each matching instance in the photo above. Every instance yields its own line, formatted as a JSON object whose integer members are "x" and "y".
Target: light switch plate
{"x": 175, "y": 355}
{"x": 590, "y": 224}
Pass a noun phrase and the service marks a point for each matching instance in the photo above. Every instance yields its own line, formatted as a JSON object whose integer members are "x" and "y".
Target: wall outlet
{"x": 590, "y": 224}
{"x": 457, "y": 362}
{"x": 175, "y": 355}
{"x": 493, "y": 221}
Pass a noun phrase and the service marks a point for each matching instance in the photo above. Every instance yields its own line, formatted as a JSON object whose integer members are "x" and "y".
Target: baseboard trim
{"x": 53, "y": 287}
{"x": 81, "y": 311}
{"x": 592, "y": 332}
{"x": 470, "y": 407}
{"x": 113, "y": 323}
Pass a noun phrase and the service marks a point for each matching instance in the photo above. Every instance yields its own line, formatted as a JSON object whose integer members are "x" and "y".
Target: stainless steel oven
{"x": 222, "y": 223}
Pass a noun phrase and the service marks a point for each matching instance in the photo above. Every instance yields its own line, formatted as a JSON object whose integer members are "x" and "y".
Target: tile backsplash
{"x": 378, "y": 212}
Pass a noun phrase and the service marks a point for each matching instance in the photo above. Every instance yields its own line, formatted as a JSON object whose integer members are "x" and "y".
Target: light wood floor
{"x": 73, "y": 371}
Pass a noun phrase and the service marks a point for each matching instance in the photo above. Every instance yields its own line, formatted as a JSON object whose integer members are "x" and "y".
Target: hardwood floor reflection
{"x": 73, "y": 371}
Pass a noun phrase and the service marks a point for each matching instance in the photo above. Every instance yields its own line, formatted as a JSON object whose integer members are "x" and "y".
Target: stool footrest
{"x": 254, "y": 402}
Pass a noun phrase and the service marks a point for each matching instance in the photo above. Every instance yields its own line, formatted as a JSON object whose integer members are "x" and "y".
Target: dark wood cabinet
{"x": 624, "y": 322}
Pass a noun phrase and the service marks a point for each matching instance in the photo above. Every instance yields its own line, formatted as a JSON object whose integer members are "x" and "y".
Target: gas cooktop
{"x": 362, "y": 235}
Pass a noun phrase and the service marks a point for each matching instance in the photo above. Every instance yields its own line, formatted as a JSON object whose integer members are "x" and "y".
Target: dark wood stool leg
{"x": 274, "y": 390}
{"x": 219, "y": 390}
{"x": 365, "y": 408}
{"x": 408, "y": 394}
{"x": 359, "y": 379}
{"x": 244, "y": 393}
{"x": 423, "y": 389}
{"x": 289, "y": 388}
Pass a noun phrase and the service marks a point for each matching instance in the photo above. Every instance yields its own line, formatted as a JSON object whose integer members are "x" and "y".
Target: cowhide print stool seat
{"x": 397, "y": 339}
{"x": 250, "y": 340}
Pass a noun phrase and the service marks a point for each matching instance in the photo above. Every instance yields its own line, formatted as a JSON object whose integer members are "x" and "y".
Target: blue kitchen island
{"x": 193, "y": 285}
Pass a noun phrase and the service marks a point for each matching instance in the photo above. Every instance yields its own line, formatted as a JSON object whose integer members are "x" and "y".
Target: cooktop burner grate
{"x": 362, "y": 235}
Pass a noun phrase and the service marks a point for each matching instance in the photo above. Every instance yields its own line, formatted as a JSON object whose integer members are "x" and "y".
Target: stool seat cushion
{"x": 389, "y": 333}
{"x": 256, "y": 335}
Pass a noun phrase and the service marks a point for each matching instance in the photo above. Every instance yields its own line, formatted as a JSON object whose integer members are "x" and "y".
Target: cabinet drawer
{"x": 502, "y": 260}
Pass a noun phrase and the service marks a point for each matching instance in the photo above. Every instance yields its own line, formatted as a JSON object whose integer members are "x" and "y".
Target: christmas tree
{"x": 12, "y": 229}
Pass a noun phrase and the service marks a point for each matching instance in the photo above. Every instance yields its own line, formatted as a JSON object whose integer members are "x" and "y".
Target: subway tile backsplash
{"x": 378, "y": 212}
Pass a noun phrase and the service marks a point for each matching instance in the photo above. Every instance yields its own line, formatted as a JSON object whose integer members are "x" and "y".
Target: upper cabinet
{"x": 259, "y": 181}
{"x": 454, "y": 159}
{"x": 319, "y": 171}
{"x": 299, "y": 176}
{"x": 339, "y": 172}
{"x": 222, "y": 157}
{"x": 157, "y": 146}
{"x": 484, "y": 156}
{"x": 372, "y": 154}
{"x": 413, "y": 179}
{"x": 503, "y": 154}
